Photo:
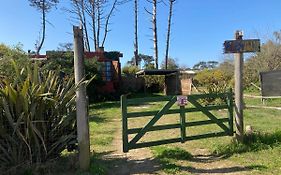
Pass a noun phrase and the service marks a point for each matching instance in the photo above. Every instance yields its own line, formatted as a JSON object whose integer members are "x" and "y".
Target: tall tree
{"x": 170, "y": 64}
{"x": 101, "y": 12}
{"x": 79, "y": 8}
{"x": 44, "y": 6}
{"x": 92, "y": 14}
{"x": 154, "y": 30}
{"x": 171, "y": 2}
{"x": 109, "y": 15}
{"x": 136, "y": 45}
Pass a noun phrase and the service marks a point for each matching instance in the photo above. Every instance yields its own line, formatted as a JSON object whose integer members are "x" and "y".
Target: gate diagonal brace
{"x": 153, "y": 120}
{"x": 208, "y": 114}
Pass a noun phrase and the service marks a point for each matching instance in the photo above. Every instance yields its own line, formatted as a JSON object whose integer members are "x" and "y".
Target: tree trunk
{"x": 84, "y": 23}
{"x": 99, "y": 22}
{"x": 154, "y": 28}
{"x": 107, "y": 22}
{"x": 136, "y": 52}
{"x": 93, "y": 15}
{"x": 168, "y": 33}
{"x": 43, "y": 28}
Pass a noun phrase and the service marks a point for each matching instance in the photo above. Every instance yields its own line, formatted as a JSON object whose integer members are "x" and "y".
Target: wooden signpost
{"x": 239, "y": 47}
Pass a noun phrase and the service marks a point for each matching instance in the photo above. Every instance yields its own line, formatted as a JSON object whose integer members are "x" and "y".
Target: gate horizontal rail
{"x": 140, "y": 132}
{"x": 137, "y": 101}
{"x": 174, "y": 111}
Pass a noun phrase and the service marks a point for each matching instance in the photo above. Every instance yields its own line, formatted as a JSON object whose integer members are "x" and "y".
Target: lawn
{"x": 261, "y": 157}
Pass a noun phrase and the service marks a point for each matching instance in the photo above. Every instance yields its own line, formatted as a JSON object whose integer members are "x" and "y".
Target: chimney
{"x": 100, "y": 49}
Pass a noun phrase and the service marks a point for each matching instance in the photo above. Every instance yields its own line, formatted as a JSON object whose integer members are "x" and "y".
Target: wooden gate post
{"x": 124, "y": 123}
{"x": 182, "y": 123}
{"x": 238, "y": 76}
{"x": 81, "y": 101}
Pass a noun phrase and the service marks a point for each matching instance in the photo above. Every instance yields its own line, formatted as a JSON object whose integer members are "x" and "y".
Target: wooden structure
{"x": 110, "y": 69}
{"x": 224, "y": 123}
{"x": 83, "y": 137}
{"x": 239, "y": 47}
{"x": 176, "y": 81}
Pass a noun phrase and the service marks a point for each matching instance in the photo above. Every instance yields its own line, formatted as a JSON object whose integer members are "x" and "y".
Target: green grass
{"x": 252, "y": 143}
{"x": 260, "y": 156}
{"x": 168, "y": 157}
{"x": 104, "y": 121}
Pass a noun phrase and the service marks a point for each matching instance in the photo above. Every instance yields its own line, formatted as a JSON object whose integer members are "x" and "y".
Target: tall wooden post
{"x": 81, "y": 101}
{"x": 238, "y": 76}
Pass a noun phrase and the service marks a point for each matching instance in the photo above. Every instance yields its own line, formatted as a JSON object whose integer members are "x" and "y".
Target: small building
{"x": 177, "y": 82}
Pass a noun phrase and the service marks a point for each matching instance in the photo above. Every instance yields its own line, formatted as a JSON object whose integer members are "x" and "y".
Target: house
{"x": 110, "y": 65}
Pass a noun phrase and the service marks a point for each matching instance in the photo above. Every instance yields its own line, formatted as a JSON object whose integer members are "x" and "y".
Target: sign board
{"x": 241, "y": 46}
{"x": 182, "y": 100}
{"x": 271, "y": 83}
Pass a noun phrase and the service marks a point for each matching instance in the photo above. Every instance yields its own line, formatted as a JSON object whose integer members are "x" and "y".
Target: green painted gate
{"x": 133, "y": 142}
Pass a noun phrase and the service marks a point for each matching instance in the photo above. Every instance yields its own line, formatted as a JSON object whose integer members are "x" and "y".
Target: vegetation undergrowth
{"x": 253, "y": 142}
{"x": 37, "y": 118}
{"x": 167, "y": 156}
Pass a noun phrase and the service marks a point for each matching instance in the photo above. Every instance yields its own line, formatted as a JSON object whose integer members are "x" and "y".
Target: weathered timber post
{"x": 124, "y": 123}
{"x": 238, "y": 77}
{"x": 238, "y": 47}
{"x": 182, "y": 123}
{"x": 81, "y": 101}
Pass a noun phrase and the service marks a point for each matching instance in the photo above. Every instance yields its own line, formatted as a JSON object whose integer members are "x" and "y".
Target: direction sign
{"x": 241, "y": 46}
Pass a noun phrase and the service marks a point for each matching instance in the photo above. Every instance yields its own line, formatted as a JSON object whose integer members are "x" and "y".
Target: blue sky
{"x": 198, "y": 31}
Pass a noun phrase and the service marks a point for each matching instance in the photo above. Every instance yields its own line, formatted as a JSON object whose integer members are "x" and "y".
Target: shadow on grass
{"x": 225, "y": 170}
{"x": 142, "y": 95}
{"x": 112, "y": 164}
{"x": 105, "y": 105}
{"x": 97, "y": 119}
{"x": 168, "y": 157}
{"x": 106, "y": 163}
{"x": 254, "y": 142}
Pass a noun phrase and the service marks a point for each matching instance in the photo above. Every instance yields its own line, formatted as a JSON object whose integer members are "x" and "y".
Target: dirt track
{"x": 141, "y": 162}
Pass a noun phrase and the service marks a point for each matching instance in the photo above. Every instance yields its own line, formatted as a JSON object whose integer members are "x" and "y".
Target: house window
{"x": 107, "y": 74}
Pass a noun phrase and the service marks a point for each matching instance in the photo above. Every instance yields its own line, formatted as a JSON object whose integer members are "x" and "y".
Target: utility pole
{"x": 238, "y": 76}
{"x": 81, "y": 101}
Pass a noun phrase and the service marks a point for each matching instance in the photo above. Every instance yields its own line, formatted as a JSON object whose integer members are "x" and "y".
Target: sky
{"x": 198, "y": 31}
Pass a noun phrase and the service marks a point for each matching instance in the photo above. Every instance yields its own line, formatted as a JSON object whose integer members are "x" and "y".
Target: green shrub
{"x": 7, "y": 55}
{"x": 254, "y": 142}
{"x": 37, "y": 117}
{"x": 130, "y": 70}
{"x": 213, "y": 81}
{"x": 64, "y": 63}
{"x": 154, "y": 83}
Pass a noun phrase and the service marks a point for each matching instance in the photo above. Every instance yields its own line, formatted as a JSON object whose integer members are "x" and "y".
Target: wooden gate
{"x": 225, "y": 124}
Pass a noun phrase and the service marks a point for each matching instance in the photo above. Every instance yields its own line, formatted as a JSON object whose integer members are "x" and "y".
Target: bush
{"x": 254, "y": 142}
{"x": 37, "y": 117}
{"x": 7, "y": 55}
{"x": 64, "y": 63}
{"x": 154, "y": 83}
{"x": 130, "y": 70}
{"x": 212, "y": 81}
